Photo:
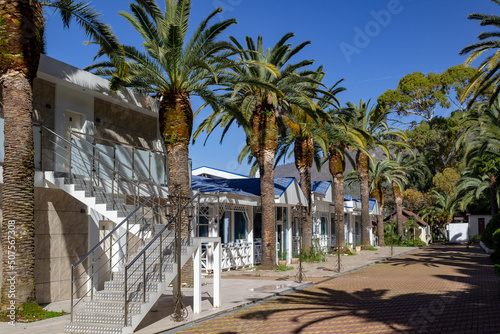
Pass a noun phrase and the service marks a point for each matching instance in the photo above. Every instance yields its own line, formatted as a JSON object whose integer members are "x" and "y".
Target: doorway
{"x": 72, "y": 121}
{"x": 480, "y": 225}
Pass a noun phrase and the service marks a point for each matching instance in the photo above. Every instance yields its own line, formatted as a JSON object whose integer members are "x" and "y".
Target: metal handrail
{"x": 122, "y": 164}
{"x": 162, "y": 230}
{"x": 119, "y": 142}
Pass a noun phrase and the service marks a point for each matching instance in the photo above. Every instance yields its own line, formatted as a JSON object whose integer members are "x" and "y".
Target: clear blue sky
{"x": 354, "y": 40}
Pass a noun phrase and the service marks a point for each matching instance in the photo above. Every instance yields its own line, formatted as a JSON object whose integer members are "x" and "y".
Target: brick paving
{"x": 439, "y": 289}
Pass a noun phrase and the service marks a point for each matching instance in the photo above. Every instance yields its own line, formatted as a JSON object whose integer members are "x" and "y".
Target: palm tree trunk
{"x": 18, "y": 225}
{"x": 263, "y": 143}
{"x": 337, "y": 167}
{"x": 493, "y": 195}
{"x": 266, "y": 169}
{"x": 21, "y": 36}
{"x": 379, "y": 195}
{"x": 398, "y": 196}
{"x": 362, "y": 169}
{"x": 176, "y": 126}
{"x": 304, "y": 155}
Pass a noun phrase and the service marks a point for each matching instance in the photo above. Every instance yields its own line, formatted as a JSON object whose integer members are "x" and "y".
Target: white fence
{"x": 235, "y": 255}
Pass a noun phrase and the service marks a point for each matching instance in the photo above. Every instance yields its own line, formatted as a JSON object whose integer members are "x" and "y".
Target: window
{"x": 203, "y": 226}
{"x": 240, "y": 226}
{"x": 225, "y": 228}
{"x": 323, "y": 226}
{"x": 257, "y": 225}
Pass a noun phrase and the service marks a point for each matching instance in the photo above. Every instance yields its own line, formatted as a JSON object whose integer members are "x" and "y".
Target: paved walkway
{"x": 439, "y": 289}
{"x": 239, "y": 288}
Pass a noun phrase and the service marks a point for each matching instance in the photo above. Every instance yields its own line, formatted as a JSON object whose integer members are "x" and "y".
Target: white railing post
{"x": 217, "y": 274}
{"x": 197, "y": 280}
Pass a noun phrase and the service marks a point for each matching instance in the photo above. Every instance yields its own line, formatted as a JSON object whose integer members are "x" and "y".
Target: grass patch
{"x": 372, "y": 249}
{"x": 284, "y": 268}
{"x": 349, "y": 252}
{"x": 31, "y": 312}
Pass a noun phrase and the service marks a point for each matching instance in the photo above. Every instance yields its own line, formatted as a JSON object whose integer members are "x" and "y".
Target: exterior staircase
{"x": 121, "y": 278}
{"x": 106, "y": 312}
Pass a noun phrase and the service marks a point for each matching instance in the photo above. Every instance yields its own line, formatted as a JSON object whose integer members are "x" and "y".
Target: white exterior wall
{"x": 458, "y": 232}
{"x": 473, "y": 223}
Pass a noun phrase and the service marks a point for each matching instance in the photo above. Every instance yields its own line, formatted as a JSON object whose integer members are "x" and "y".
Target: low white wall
{"x": 458, "y": 232}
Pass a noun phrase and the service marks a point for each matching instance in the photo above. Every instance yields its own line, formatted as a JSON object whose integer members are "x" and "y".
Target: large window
{"x": 203, "y": 226}
{"x": 323, "y": 226}
{"x": 240, "y": 226}
{"x": 257, "y": 225}
{"x": 225, "y": 228}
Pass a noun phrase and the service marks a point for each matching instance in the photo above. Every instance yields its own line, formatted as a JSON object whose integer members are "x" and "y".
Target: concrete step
{"x": 110, "y": 295}
{"x": 89, "y": 328}
{"x": 112, "y": 307}
{"x": 102, "y": 318}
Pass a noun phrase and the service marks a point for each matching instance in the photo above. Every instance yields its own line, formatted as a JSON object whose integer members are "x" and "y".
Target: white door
{"x": 73, "y": 121}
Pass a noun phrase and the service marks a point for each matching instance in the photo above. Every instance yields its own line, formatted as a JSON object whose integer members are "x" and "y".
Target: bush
{"x": 496, "y": 241}
{"x": 491, "y": 227}
{"x": 314, "y": 254}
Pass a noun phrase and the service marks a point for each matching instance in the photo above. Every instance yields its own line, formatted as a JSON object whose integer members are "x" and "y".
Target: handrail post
{"x": 92, "y": 278}
{"x": 125, "y": 297}
{"x": 144, "y": 278}
{"x": 113, "y": 177}
{"x": 161, "y": 258}
{"x": 72, "y": 283}
{"x": 111, "y": 256}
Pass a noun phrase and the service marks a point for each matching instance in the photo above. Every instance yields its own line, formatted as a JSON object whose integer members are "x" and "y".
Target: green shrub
{"x": 491, "y": 227}
{"x": 496, "y": 241}
{"x": 314, "y": 254}
{"x": 284, "y": 268}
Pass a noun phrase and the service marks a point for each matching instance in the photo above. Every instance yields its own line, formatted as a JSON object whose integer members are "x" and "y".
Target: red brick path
{"x": 440, "y": 289}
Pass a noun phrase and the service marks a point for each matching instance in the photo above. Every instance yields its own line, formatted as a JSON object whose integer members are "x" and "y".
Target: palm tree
{"x": 482, "y": 155}
{"x": 373, "y": 122}
{"x": 259, "y": 91}
{"x": 442, "y": 210}
{"x": 488, "y": 74}
{"x": 341, "y": 139}
{"x": 307, "y": 136}
{"x": 172, "y": 69}
{"x": 21, "y": 38}
{"x": 413, "y": 168}
{"x": 480, "y": 178}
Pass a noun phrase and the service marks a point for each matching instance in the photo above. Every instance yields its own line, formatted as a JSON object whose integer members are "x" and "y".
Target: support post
{"x": 217, "y": 273}
{"x": 197, "y": 280}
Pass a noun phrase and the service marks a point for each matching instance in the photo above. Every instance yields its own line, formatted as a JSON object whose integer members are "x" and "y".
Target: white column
{"x": 217, "y": 273}
{"x": 250, "y": 236}
{"x": 197, "y": 280}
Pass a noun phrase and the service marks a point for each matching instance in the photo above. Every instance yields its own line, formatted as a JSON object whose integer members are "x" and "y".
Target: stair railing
{"x": 154, "y": 250}
{"x": 132, "y": 231}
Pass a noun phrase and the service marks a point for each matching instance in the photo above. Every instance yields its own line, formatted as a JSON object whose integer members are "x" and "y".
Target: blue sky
{"x": 371, "y": 44}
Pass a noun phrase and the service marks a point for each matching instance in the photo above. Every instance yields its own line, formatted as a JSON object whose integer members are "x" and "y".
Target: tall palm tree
{"x": 482, "y": 155}
{"x": 341, "y": 140}
{"x": 259, "y": 90}
{"x": 381, "y": 173}
{"x": 21, "y": 40}
{"x": 171, "y": 68}
{"x": 307, "y": 136}
{"x": 413, "y": 168}
{"x": 488, "y": 74}
{"x": 373, "y": 122}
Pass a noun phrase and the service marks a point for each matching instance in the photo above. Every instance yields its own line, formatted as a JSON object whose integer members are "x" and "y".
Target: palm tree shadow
{"x": 416, "y": 312}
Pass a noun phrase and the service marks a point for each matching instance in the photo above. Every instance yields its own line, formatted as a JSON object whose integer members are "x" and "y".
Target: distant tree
{"x": 419, "y": 94}
{"x": 414, "y": 200}
{"x": 445, "y": 182}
